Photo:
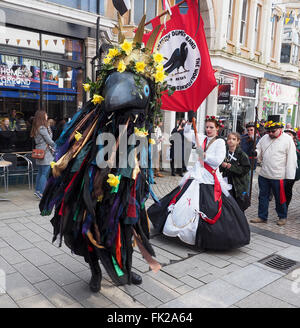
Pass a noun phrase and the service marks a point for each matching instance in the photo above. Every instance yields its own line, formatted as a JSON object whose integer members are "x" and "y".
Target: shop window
{"x": 62, "y": 90}
{"x": 67, "y": 48}
{"x": 22, "y": 39}
{"x": 142, "y": 7}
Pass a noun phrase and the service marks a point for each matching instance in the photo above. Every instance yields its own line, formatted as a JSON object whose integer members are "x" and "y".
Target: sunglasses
{"x": 271, "y": 131}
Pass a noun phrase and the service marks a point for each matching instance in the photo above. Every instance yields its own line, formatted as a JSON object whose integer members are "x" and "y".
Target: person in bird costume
{"x": 98, "y": 197}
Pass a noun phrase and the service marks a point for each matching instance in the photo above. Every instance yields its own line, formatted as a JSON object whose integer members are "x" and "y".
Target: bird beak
{"x": 122, "y": 92}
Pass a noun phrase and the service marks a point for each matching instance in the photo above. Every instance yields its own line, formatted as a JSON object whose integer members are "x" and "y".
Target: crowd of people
{"x": 207, "y": 208}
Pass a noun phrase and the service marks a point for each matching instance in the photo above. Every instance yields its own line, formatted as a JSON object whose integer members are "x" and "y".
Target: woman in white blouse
{"x": 201, "y": 211}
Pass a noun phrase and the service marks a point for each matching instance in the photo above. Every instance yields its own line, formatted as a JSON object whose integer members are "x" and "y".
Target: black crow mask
{"x": 124, "y": 91}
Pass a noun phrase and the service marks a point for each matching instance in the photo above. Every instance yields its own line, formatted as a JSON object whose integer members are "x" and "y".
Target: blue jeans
{"x": 41, "y": 178}
{"x": 265, "y": 187}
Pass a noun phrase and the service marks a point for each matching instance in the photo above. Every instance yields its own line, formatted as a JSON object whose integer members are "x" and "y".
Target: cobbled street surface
{"x": 34, "y": 273}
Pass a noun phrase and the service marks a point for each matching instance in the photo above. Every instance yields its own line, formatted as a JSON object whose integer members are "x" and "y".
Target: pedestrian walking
{"x": 277, "y": 153}
{"x": 42, "y": 134}
{"x": 247, "y": 146}
{"x": 177, "y": 149}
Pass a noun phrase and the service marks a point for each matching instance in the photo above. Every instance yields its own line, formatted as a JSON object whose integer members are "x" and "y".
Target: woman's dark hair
{"x": 38, "y": 121}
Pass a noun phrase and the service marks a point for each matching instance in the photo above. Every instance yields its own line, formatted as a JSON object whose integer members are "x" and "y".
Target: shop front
{"x": 282, "y": 100}
{"x": 236, "y": 101}
{"x": 37, "y": 70}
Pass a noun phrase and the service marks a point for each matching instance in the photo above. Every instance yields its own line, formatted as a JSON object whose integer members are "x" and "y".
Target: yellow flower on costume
{"x": 140, "y": 66}
{"x": 86, "y": 87}
{"x": 257, "y": 125}
{"x": 159, "y": 76}
{"x": 97, "y": 99}
{"x": 159, "y": 68}
{"x": 113, "y": 52}
{"x": 113, "y": 180}
{"x": 152, "y": 141}
{"x": 121, "y": 67}
{"x": 78, "y": 135}
{"x": 52, "y": 164}
{"x": 296, "y": 129}
{"x": 127, "y": 47}
{"x": 158, "y": 57}
{"x": 107, "y": 60}
{"x": 140, "y": 132}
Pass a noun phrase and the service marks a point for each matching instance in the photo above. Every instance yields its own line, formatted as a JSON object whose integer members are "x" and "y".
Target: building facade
{"x": 45, "y": 53}
{"x": 46, "y": 49}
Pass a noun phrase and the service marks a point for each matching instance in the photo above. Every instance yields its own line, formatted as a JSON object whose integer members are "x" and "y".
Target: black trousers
{"x": 288, "y": 188}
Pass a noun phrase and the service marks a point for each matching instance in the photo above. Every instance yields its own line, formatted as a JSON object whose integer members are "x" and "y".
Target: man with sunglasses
{"x": 277, "y": 154}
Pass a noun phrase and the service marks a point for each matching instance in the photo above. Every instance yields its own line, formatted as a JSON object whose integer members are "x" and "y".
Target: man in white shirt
{"x": 277, "y": 153}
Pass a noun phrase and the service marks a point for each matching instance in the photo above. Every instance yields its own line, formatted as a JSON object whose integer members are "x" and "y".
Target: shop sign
{"x": 280, "y": 93}
{"x": 16, "y": 76}
{"x": 247, "y": 87}
{"x": 224, "y": 94}
{"x": 232, "y": 79}
{"x": 242, "y": 86}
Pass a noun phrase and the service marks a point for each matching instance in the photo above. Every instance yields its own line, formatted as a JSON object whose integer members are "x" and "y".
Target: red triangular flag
{"x": 186, "y": 60}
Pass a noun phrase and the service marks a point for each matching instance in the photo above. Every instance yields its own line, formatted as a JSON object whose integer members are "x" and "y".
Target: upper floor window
{"x": 183, "y": 7}
{"x": 142, "y": 7}
{"x": 86, "y": 5}
{"x": 244, "y": 22}
{"x": 102, "y": 7}
{"x": 256, "y": 27}
{"x": 290, "y": 47}
{"x": 230, "y": 19}
{"x": 273, "y": 37}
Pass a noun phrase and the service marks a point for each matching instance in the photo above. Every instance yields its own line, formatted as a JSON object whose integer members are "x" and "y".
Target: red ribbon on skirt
{"x": 282, "y": 192}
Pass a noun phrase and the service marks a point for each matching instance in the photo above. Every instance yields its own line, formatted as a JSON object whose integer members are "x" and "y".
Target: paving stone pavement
{"x": 34, "y": 273}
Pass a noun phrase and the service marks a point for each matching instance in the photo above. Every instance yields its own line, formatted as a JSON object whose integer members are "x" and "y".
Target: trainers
{"x": 281, "y": 222}
{"x": 258, "y": 220}
{"x": 38, "y": 195}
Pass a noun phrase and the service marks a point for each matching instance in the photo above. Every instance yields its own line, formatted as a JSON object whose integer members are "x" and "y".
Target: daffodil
{"x": 97, "y": 99}
{"x": 113, "y": 52}
{"x": 121, "y": 67}
{"x": 152, "y": 141}
{"x": 159, "y": 67}
{"x": 113, "y": 180}
{"x": 86, "y": 87}
{"x": 159, "y": 76}
{"x": 52, "y": 164}
{"x": 78, "y": 135}
{"x": 127, "y": 47}
{"x": 158, "y": 57}
{"x": 140, "y": 132}
{"x": 140, "y": 66}
{"x": 107, "y": 60}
